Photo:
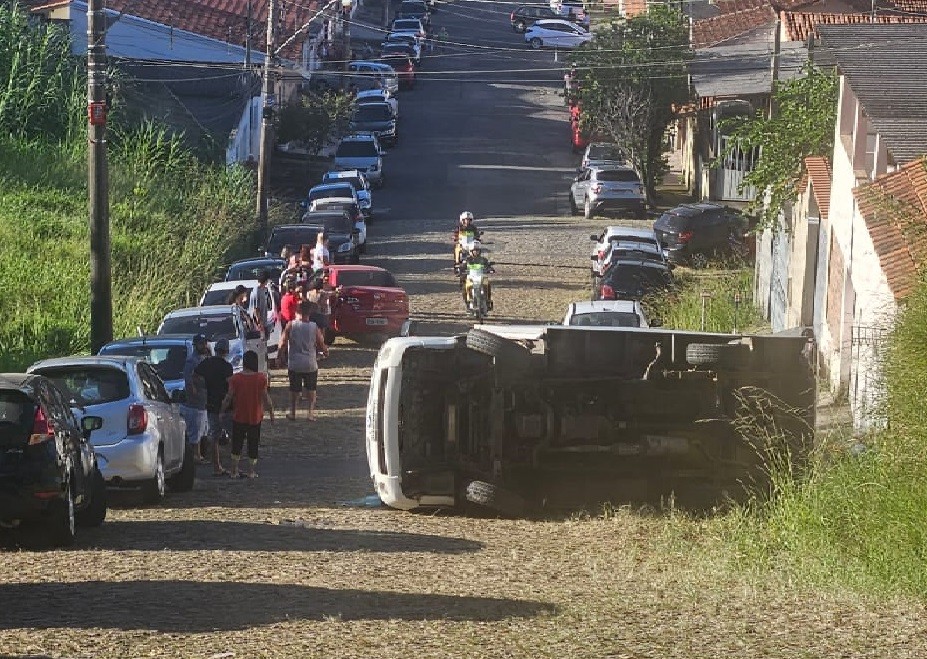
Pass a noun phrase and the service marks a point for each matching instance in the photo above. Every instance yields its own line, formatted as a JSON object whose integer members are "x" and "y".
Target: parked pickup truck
{"x": 512, "y": 418}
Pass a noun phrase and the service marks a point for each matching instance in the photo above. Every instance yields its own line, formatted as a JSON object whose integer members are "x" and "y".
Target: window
{"x": 357, "y": 149}
{"x": 606, "y": 319}
{"x": 167, "y": 360}
{"x": 379, "y": 278}
{"x": 214, "y": 327}
{"x": 89, "y": 385}
{"x": 152, "y": 386}
{"x": 618, "y": 176}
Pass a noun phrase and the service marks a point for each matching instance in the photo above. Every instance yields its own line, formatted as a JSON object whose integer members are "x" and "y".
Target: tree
{"x": 632, "y": 76}
{"x": 314, "y": 119}
{"x": 801, "y": 126}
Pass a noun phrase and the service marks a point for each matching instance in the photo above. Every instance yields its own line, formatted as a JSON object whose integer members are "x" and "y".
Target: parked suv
{"x": 607, "y": 188}
{"x": 525, "y": 15}
{"x": 361, "y": 151}
{"x": 692, "y": 233}
{"x": 48, "y": 468}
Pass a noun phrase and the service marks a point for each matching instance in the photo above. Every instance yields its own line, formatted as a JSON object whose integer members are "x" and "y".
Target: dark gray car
{"x": 376, "y": 118}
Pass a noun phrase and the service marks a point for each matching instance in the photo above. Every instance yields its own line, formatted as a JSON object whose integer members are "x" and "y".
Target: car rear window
{"x": 605, "y": 152}
{"x": 90, "y": 385}
{"x": 606, "y": 319}
{"x": 219, "y": 297}
{"x": 356, "y": 149}
{"x": 339, "y": 225}
{"x": 16, "y": 414}
{"x": 290, "y": 236}
{"x": 618, "y": 175}
{"x": 371, "y": 112}
{"x": 379, "y": 278}
{"x": 673, "y": 221}
{"x": 168, "y": 360}
{"x": 240, "y": 272}
{"x": 214, "y": 327}
{"x": 407, "y": 24}
{"x": 345, "y": 190}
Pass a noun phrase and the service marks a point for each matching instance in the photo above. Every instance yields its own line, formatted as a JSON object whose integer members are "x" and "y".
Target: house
{"x": 870, "y": 245}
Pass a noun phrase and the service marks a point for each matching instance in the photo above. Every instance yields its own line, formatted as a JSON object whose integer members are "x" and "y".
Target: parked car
{"x": 324, "y": 190}
{"x": 619, "y": 250}
{"x": 369, "y": 302}
{"x": 167, "y": 353}
{"x": 218, "y": 294}
{"x": 381, "y": 73}
{"x": 402, "y": 44}
{"x": 378, "y": 96}
{"x": 411, "y": 26}
{"x": 358, "y": 181}
{"x": 251, "y": 269}
{"x": 632, "y": 279}
{"x": 605, "y": 189}
{"x": 556, "y": 33}
{"x": 140, "y": 443}
{"x": 362, "y": 152}
{"x": 603, "y": 154}
{"x": 49, "y": 474}
{"x": 226, "y": 321}
{"x": 524, "y": 15}
{"x": 415, "y": 9}
{"x": 344, "y": 205}
{"x": 572, "y": 10}
{"x": 607, "y": 313}
{"x": 404, "y": 67}
{"x": 618, "y": 232}
{"x": 693, "y": 233}
{"x": 376, "y": 118}
{"x": 295, "y": 235}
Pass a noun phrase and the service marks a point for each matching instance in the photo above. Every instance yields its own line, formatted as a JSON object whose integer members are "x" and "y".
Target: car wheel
{"x": 61, "y": 525}
{"x": 183, "y": 480}
{"x": 493, "y": 497}
{"x": 698, "y": 260}
{"x": 536, "y": 43}
{"x": 574, "y": 209}
{"x": 587, "y": 209}
{"x": 154, "y": 489}
{"x": 95, "y": 512}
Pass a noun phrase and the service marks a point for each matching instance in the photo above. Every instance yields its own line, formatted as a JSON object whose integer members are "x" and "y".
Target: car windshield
{"x": 325, "y": 193}
{"x": 246, "y": 271}
{"x": 605, "y": 152}
{"x": 339, "y": 225}
{"x": 618, "y": 175}
{"x": 630, "y": 277}
{"x": 89, "y": 385}
{"x": 220, "y": 296}
{"x": 379, "y": 278}
{"x": 357, "y": 149}
{"x": 398, "y": 48}
{"x": 407, "y": 24}
{"x": 167, "y": 360}
{"x": 16, "y": 412}
{"x": 295, "y": 236}
{"x": 406, "y": 39}
{"x": 214, "y": 327}
{"x": 372, "y": 112}
{"x": 606, "y": 319}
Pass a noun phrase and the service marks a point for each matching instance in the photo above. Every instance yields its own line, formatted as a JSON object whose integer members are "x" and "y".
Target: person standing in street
{"x": 302, "y": 340}
{"x": 321, "y": 257}
{"x": 216, "y": 372}
{"x": 193, "y": 409}
{"x": 259, "y": 303}
{"x": 247, "y": 398}
{"x": 289, "y": 302}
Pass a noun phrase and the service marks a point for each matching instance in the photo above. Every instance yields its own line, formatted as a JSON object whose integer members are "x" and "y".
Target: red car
{"x": 368, "y": 301}
{"x": 404, "y": 68}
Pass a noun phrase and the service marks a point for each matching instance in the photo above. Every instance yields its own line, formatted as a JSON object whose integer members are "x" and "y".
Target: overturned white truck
{"x": 512, "y": 418}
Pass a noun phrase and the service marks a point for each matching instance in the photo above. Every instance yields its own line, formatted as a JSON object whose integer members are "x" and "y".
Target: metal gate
{"x": 866, "y": 385}
{"x": 736, "y": 165}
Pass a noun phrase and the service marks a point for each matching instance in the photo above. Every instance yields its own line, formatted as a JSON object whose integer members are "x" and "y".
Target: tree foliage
{"x": 802, "y": 125}
{"x": 314, "y": 119}
{"x": 630, "y": 78}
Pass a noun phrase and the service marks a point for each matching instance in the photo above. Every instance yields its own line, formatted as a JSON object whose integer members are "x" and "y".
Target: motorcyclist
{"x": 465, "y": 226}
{"x": 476, "y": 261}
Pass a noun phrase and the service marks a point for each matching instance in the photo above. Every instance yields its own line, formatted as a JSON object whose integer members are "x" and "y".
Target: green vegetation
{"x": 174, "y": 219}
{"x": 313, "y": 120}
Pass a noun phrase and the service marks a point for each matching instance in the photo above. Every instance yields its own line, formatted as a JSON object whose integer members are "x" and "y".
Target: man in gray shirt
{"x": 259, "y": 304}
{"x": 193, "y": 409}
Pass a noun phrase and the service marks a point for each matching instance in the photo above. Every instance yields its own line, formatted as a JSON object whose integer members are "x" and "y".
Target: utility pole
{"x": 267, "y": 118}
{"x": 777, "y": 51}
{"x": 386, "y": 13}
{"x": 345, "y": 40}
{"x": 248, "y": 34}
{"x": 101, "y": 287}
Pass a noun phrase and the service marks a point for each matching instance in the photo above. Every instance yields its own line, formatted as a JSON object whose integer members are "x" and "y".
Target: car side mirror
{"x": 304, "y": 204}
{"x": 178, "y": 396}
{"x": 90, "y": 423}
{"x": 250, "y": 335}
{"x": 656, "y": 322}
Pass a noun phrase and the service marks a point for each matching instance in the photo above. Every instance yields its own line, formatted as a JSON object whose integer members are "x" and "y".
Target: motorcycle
{"x": 477, "y": 301}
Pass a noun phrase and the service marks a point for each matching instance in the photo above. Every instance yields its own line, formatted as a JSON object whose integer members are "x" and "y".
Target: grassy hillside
{"x": 175, "y": 221}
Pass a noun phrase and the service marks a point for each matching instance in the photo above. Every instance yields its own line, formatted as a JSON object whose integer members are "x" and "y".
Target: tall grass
{"x": 857, "y": 520}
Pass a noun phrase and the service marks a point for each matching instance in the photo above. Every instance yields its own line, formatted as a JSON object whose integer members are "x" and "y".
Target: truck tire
{"x": 726, "y": 355}
{"x": 493, "y": 497}
{"x": 509, "y": 355}
{"x": 95, "y": 512}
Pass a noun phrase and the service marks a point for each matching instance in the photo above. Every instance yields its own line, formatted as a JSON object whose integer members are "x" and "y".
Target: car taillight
{"x": 42, "y": 428}
{"x": 685, "y": 236}
{"x": 598, "y": 188}
{"x": 601, "y": 254}
{"x": 137, "y": 420}
{"x": 607, "y": 292}
{"x": 512, "y": 17}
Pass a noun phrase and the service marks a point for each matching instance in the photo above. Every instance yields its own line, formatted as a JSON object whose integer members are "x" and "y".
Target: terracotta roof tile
{"x": 634, "y": 8}
{"x": 799, "y": 25}
{"x": 731, "y": 6}
{"x": 718, "y": 29}
{"x": 894, "y": 207}
{"x": 818, "y": 170}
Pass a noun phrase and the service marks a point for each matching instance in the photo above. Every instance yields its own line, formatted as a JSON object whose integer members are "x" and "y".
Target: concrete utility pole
{"x": 248, "y": 34}
{"x": 267, "y": 118}
{"x": 386, "y": 13}
{"x": 345, "y": 40}
{"x": 101, "y": 287}
{"x": 777, "y": 51}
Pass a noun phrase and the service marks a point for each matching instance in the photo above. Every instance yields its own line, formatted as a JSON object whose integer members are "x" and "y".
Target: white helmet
{"x": 466, "y": 215}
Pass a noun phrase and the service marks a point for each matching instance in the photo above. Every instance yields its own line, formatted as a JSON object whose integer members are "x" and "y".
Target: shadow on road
{"x": 192, "y": 606}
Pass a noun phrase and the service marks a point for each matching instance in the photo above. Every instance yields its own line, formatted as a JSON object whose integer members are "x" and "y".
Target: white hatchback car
{"x": 607, "y": 313}
{"x": 378, "y": 96}
{"x": 556, "y": 33}
{"x": 361, "y": 151}
{"x": 622, "y": 233}
{"x": 226, "y": 321}
{"x": 219, "y": 293}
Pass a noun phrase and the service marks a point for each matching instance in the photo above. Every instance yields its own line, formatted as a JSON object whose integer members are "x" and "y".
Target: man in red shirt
{"x": 289, "y": 302}
{"x": 247, "y": 398}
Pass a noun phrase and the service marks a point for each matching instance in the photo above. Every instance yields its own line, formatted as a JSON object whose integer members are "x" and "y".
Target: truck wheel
{"x": 728, "y": 355}
{"x": 95, "y": 512}
{"x": 183, "y": 480}
{"x": 508, "y": 354}
{"x": 487, "y": 495}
